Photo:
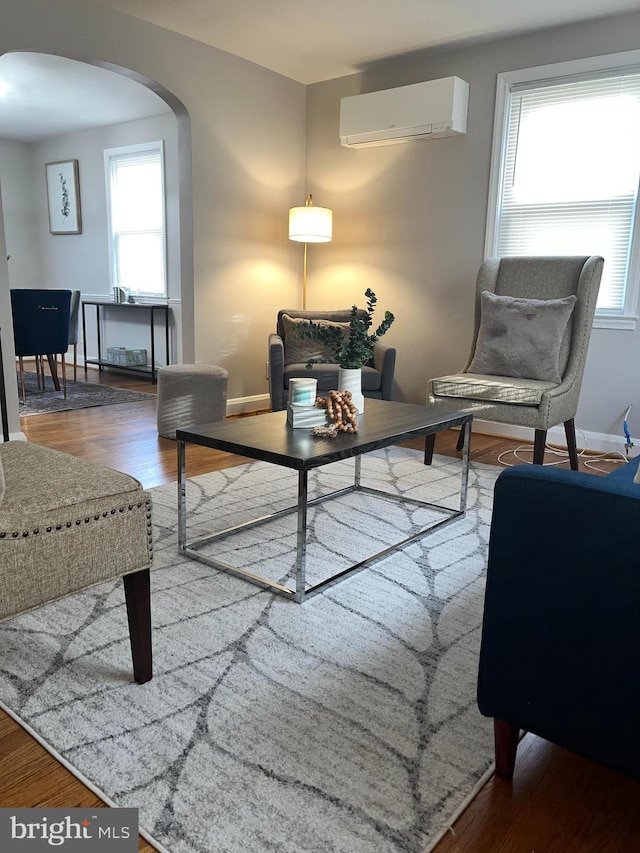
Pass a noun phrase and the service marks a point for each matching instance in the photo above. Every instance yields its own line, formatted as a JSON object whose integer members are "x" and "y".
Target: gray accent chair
{"x": 73, "y": 329}
{"x": 534, "y": 403}
{"x": 377, "y": 376}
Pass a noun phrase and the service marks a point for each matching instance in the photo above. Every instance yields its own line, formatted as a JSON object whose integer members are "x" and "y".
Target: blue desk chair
{"x": 40, "y": 328}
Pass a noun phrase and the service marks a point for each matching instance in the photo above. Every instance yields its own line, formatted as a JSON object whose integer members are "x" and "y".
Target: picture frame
{"x": 63, "y": 197}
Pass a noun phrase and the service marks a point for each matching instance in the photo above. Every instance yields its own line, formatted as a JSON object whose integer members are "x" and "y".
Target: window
{"x": 569, "y": 169}
{"x": 135, "y": 199}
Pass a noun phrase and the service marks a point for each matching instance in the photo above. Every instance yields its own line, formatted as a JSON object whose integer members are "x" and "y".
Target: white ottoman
{"x": 190, "y": 394}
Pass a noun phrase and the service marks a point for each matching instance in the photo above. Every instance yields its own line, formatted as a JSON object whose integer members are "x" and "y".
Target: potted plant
{"x": 351, "y": 350}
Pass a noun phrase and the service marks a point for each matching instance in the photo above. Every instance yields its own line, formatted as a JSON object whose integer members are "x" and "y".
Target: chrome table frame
{"x": 301, "y": 593}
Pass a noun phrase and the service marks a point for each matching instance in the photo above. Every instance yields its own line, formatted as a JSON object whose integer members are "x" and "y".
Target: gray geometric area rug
{"x": 348, "y": 723}
{"x": 80, "y": 395}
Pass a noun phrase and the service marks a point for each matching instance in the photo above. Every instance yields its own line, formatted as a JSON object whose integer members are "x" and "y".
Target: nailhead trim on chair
{"x": 149, "y": 531}
{"x": 26, "y": 533}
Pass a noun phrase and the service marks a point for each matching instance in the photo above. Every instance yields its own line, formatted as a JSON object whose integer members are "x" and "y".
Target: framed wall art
{"x": 63, "y": 195}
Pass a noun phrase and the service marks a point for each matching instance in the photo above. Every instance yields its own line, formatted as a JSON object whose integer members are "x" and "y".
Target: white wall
{"x": 81, "y": 261}
{"x": 409, "y": 220}
{"x": 6, "y": 327}
{"x": 20, "y": 215}
{"x": 247, "y": 133}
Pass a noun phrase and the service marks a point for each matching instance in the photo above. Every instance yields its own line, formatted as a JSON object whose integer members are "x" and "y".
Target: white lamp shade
{"x": 310, "y": 224}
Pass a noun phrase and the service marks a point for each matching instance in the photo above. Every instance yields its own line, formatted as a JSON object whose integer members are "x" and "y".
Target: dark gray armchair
{"x": 377, "y": 377}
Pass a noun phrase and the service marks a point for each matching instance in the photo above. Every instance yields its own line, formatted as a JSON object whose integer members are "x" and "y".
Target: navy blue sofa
{"x": 560, "y": 652}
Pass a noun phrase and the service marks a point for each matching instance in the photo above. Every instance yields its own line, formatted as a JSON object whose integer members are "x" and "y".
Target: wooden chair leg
{"x": 137, "y": 594}
{"x": 22, "y": 385}
{"x": 570, "y": 433}
{"x": 538, "y": 446}
{"x": 39, "y": 385}
{"x": 505, "y": 738}
{"x": 52, "y": 359}
{"x": 64, "y": 376}
{"x": 429, "y": 444}
{"x": 75, "y": 362}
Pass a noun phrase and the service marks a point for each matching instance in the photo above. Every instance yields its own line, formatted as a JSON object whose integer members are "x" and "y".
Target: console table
{"x": 131, "y": 308}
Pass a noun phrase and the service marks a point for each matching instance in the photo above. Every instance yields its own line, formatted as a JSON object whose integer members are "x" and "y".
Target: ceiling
{"x": 304, "y": 40}
{"x": 314, "y": 40}
{"x": 40, "y": 95}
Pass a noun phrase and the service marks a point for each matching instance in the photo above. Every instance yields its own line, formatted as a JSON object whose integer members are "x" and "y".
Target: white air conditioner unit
{"x": 428, "y": 110}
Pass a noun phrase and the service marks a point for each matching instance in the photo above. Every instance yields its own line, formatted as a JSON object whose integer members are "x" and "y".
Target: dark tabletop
{"x": 269, "y": 438}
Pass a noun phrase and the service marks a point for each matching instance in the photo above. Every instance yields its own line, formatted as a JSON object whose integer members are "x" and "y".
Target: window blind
{"x": 570, "y": 175}
{"x": 137, "y": 221}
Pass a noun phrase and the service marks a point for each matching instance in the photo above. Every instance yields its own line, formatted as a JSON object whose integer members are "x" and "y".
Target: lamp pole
{"x": 304, "y": 278}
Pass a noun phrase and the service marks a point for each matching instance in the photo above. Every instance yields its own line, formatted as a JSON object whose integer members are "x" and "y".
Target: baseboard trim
{"x": 15, "y": 436}
{"x": 595, "y": 442}
{"x": 245, "y": 405}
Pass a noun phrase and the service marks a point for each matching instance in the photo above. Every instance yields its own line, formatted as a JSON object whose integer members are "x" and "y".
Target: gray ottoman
{"x": 190, "y": 394}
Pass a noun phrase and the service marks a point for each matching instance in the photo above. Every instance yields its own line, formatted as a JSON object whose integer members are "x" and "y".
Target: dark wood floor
{"x": 557, "y": 802}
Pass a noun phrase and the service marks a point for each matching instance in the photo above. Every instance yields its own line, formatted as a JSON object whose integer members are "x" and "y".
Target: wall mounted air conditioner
{"x": 428, "y": 110}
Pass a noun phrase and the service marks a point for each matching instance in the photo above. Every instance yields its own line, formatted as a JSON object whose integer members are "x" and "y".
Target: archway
{"x": 183, "y": 344}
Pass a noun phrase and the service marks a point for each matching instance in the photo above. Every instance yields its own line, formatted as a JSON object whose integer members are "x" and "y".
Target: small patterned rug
{"x": 80, "y": 395}
{"x": 348, "y": 723}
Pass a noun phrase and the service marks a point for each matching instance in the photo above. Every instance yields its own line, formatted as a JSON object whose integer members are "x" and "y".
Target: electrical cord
{"x": 628, "y": 444}
{"x": 615, "y": 456}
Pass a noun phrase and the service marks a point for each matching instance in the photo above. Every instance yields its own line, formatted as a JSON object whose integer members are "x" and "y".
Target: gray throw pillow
{"x": 300, "y": 350}
{"x": 521, "y": 337}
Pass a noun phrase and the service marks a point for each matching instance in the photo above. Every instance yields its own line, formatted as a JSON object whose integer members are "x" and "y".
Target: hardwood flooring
{"x": 557, "y": 802}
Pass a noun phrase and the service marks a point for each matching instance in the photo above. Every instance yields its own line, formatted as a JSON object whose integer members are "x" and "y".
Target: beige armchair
{"x": 67, "y": 524}
{"x": 544, "y": 389}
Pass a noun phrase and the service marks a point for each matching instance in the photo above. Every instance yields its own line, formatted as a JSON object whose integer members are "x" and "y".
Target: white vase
{"x": 351, "y": 380}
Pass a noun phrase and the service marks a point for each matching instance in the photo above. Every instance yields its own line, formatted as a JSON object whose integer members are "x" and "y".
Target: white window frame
{"x": 615, "y": 63}
{"x": 157, "y": 145}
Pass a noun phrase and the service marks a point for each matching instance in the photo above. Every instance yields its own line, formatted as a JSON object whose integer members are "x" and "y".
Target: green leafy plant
{"x": 353, "y": 350}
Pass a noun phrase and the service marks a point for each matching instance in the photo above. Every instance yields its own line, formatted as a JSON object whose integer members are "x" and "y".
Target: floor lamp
{"x": 309, "y": 224}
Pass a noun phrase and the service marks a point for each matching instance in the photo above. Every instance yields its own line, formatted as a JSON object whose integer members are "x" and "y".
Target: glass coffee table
{"x": 268, "y": 438}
